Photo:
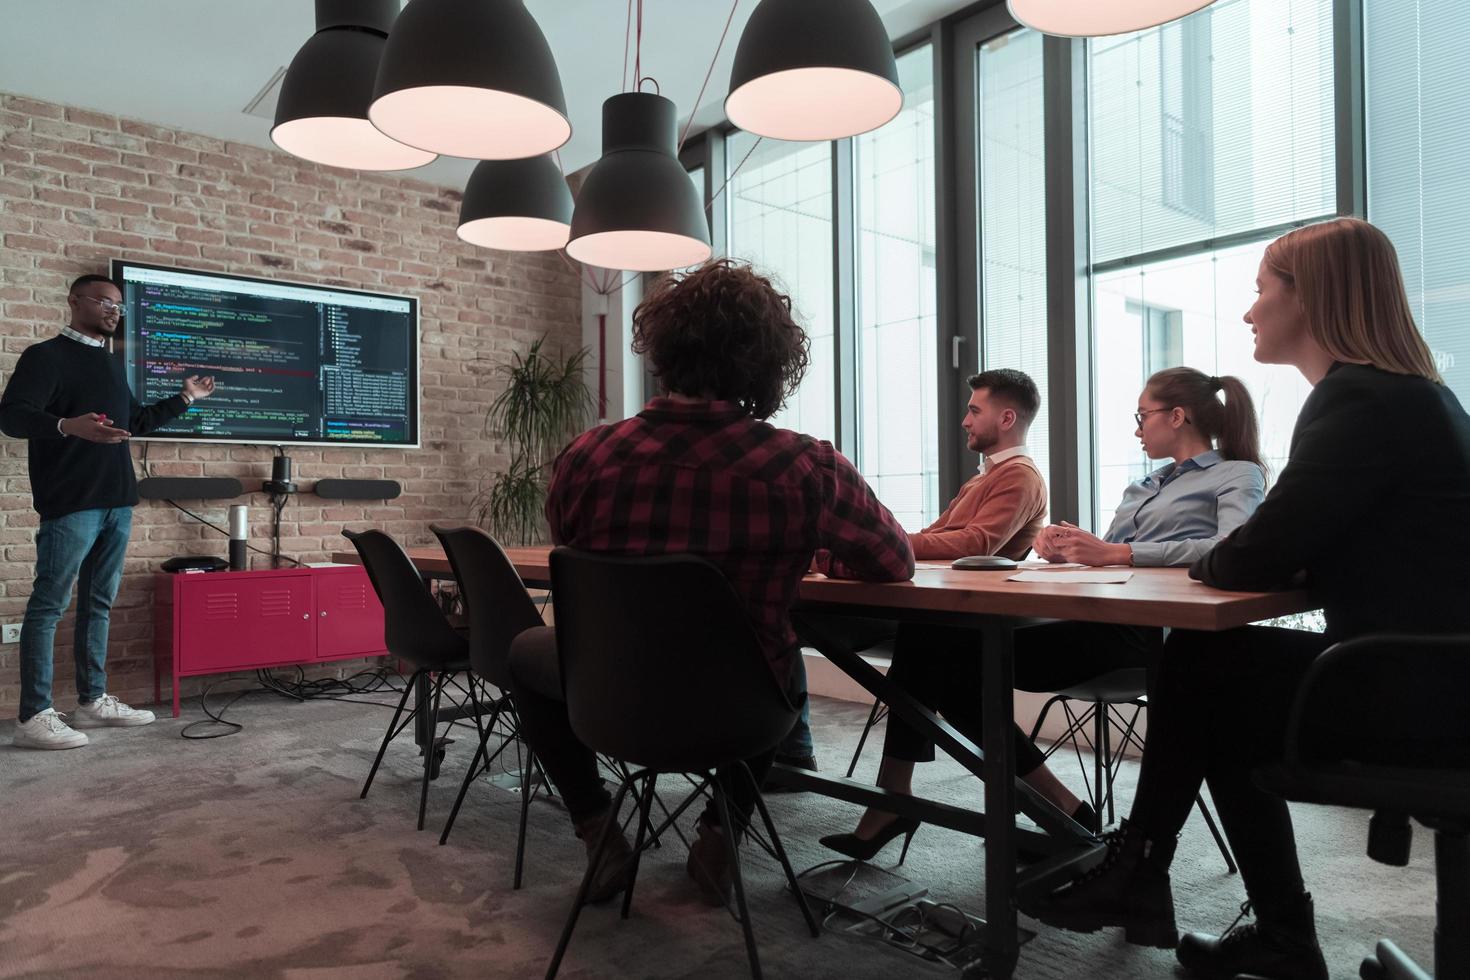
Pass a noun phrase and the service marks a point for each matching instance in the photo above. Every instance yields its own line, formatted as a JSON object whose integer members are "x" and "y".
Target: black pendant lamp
{"x": 517, "y": 205}
{"x": 638, "y": 209}
{"x": 813, "y": 70}
{"x": 470, "y": 78}
{"x": 321, "y": 114}
{"x": 1099, "y": 18}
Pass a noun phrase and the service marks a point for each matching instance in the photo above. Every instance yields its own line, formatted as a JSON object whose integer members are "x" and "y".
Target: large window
{"x": 780, "y": 220}
{"x": 1219, "y": 125}
{"x": 897, "y": 417}
{"x": 1012, "y": 176}
{"x": 1418, "y": 87}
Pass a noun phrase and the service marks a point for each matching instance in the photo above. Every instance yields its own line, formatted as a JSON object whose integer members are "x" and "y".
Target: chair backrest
{"x": 660, "y": 663}
{"x": 495, "y": 598}
{"x": 1385, "y": 700}
{"x": 414, "y": 627}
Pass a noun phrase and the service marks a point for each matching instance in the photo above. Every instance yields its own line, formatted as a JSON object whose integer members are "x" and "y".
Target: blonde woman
{"x": 1379, "y": 456}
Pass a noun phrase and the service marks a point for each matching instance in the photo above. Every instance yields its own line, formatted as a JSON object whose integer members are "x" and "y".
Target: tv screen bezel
{"x": 415, "y": 421}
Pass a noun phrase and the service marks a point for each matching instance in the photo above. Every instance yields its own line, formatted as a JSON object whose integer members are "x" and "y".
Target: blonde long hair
{"x": 1346, "y": 276}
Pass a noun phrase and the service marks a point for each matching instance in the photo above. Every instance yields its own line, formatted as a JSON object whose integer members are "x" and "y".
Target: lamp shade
{"x": 813, "y": 70}
{"x": 637, "y": 209}
{"x": 516, "y": 205}
{"x": 1098, "y": 18}
{"x": 470, "y": 78}
{"x": 321, "y": 113}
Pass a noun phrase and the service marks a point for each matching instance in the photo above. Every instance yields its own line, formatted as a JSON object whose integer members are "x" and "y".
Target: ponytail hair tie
{"x": 1215, "y": 383}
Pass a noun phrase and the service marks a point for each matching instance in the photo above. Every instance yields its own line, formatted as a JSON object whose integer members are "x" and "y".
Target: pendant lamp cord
{"x": 627, "y": 36}
{"x": 700, "y": 97}
{"x": 638, "y": 51}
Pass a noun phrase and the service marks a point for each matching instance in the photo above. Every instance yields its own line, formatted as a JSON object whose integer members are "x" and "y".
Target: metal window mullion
{"x": 1349, "y": 107}
{"x": 844, "y": 296}
{"x": 1069, "y": 294}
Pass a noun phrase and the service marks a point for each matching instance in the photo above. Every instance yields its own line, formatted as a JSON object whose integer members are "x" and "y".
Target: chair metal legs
{"x": 393, "y": 730}
{"x": 1204, "y": 811}
{"x": 879, "y": 712}
{"x": 1107, "y": 758}
{"x": 473, "y": 770}
{"x": 732, "y": 854}
{"x": 608, "y": 828}
{"x": 806, "y": 912}
{"x": 646, "y": 832}
{"x": 431, "y": 749}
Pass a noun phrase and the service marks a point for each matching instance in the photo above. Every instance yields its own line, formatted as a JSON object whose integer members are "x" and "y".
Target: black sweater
{"x": 1374, "y": 506}
{"x": 63, "y": 378}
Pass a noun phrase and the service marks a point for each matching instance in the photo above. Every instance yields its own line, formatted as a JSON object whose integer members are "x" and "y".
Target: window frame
{"x": 953, "y": 41}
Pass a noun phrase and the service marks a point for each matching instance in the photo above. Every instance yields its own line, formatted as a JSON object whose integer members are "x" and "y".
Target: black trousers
{"x": 940, "y": 667}
{"x": 535, "y": 684}
{"x": 1219, "y": 711}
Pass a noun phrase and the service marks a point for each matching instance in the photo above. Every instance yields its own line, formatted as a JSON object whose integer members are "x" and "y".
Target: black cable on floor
{"x": 371, "y": 681}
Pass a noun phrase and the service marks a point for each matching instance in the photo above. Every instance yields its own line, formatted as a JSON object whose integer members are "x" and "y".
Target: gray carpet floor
{"x": 143, "y": 855}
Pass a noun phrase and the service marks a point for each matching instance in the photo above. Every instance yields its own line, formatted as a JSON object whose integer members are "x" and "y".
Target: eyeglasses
{"x": 1139, "y": 416}
{"x": 107, "y": 305}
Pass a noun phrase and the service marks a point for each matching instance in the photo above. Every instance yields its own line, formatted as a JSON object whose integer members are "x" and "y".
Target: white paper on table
{"x": 1043, "y": 563}
{"x": 1091, "y": 578}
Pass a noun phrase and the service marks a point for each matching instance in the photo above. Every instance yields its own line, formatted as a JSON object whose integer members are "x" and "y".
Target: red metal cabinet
{"x": 219, "y": 622}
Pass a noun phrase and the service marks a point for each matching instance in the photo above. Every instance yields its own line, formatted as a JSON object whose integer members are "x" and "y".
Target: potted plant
{"x": 545, "y": 403}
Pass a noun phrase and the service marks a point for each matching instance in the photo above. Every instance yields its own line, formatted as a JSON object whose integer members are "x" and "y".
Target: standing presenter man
{"x": 69, "y": 399}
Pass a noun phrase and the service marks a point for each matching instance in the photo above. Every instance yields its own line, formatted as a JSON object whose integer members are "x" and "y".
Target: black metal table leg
{"x": 1002, "y": 942}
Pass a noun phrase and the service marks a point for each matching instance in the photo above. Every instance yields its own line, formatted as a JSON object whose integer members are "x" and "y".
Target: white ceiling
{"x": 194, "y": 65}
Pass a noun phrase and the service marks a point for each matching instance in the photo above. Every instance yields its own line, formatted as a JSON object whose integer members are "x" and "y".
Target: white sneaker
{"x": 108, "y": 712}
{"x": 47, "y": 731}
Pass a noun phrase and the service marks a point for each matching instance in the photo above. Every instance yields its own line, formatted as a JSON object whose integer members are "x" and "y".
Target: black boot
{"x": 1130, "y": 889}
{"x": 1280, "y": 945}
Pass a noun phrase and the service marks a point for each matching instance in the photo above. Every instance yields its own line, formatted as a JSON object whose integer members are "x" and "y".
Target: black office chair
{"x": 499, "y": 610}
{"x": 415, "y": 630}
{"x": 662, "y": 669}
{"x": 1108, "y": 698}
{"x": 1380, "y": 724}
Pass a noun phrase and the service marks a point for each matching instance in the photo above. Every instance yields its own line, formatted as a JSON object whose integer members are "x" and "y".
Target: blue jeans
{"x": 86, "y": 547}
{"x": 798, "y": 742}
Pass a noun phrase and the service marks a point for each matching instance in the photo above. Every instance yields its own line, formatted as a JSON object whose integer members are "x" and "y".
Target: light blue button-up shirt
{"x": 1175, "y": 515}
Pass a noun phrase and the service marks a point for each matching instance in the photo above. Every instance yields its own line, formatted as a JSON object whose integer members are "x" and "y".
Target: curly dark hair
{"x": 723, "y": 331}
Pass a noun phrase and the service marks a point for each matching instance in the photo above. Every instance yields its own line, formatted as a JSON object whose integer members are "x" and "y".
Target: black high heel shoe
{"x": 866, "y": 848}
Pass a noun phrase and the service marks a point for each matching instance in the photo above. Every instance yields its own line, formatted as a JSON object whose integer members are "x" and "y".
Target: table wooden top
{"x": 1152, "y": 597}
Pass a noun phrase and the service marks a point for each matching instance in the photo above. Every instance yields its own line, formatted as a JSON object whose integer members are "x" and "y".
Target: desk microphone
{"x": 239, "y": 531}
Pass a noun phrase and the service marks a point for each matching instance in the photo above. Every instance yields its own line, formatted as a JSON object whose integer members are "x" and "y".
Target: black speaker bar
{"x": 227, "y": 487}
{"x": 189, "y": 488}
{"x": 358, "y": 489}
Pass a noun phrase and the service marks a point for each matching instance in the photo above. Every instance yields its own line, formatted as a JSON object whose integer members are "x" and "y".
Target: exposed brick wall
{"x": 78, "y": 188}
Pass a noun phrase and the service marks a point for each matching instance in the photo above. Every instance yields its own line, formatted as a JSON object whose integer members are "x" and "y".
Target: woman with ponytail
{"x": 1380, "y": 458}
{"x": 1170, "y": 517}
{"x": 1177, "y": 513}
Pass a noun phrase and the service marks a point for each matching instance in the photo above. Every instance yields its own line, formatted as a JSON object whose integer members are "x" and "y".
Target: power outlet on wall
{"x": 10, "y": 633}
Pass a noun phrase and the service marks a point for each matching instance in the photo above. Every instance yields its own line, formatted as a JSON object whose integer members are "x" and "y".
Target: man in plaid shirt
{"x": 699, "y": 471}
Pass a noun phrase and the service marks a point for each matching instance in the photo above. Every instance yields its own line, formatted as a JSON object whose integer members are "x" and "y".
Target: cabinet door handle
{"x": 324, "y": 614}
{"x": 306, "y": 615}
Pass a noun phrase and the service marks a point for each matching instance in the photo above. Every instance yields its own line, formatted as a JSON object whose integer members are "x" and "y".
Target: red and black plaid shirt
{"x": 707, "y": 479}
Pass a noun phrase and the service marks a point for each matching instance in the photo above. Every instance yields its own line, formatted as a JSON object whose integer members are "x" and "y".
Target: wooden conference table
{"x": 996, "y": 608}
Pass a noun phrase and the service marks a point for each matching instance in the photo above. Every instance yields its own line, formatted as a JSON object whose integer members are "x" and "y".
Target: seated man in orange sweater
{"x": 997, "y": 512}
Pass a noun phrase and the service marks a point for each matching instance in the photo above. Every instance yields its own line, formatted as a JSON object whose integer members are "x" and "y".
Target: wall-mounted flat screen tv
{"x": 293, "y": 364}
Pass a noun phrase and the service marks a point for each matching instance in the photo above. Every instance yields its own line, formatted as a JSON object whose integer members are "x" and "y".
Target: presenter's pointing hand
{"x": 199, "y": 386}
{"x": 94, "y": 428}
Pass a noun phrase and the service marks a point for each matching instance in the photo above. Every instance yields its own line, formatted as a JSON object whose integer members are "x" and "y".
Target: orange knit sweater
{"x": 995, "y": 513}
